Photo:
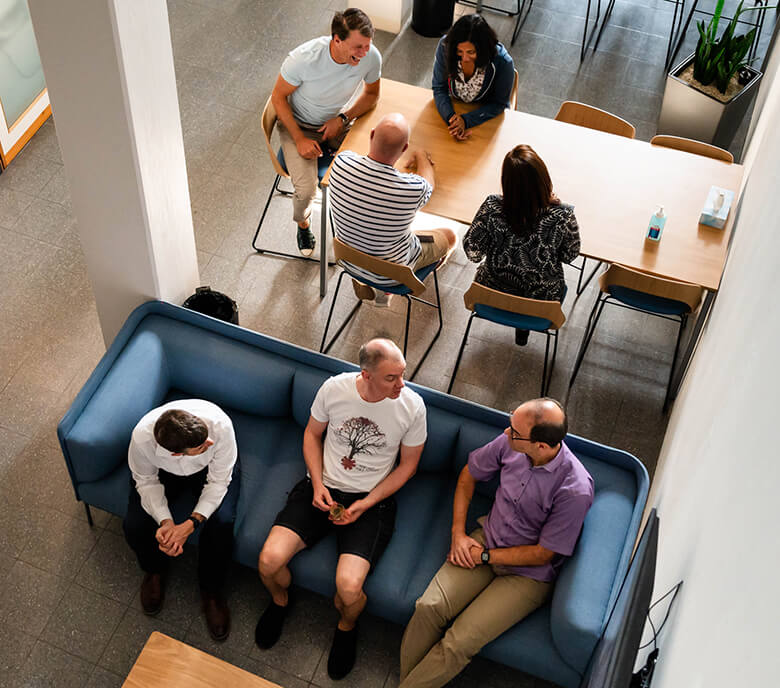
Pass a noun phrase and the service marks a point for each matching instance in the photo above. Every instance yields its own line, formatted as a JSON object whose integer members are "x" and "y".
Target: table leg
{"x": 685, "y": 359}
{"x": 324, "y": 244}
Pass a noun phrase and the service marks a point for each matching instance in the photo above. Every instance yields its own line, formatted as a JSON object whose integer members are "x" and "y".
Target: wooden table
{"x": 167, "y": 663}
{"x": 614, "y": 183}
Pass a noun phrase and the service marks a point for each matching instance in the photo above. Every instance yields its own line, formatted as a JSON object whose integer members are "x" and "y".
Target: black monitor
{"x": 612, "y": 663}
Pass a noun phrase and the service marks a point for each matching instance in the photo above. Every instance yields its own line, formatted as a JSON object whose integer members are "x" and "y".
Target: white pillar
{"x": 109, "y": 70}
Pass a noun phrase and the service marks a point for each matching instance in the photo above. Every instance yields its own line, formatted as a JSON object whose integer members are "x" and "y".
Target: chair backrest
{"x": 513, "y": 92}
{"x": 268, "y": 121}
{"x": 591, "y": 117}
{"x": 621, "y": 276}
{"x": 485, "y": 296}
{"x": 402, "y": 274}
{"x": 692, "y": 146}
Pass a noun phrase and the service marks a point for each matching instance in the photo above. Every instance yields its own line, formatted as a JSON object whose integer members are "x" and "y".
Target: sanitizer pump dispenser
{"x": 656, "y": 225}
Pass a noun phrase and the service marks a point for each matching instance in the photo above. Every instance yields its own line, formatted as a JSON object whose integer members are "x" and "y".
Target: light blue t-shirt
{"x": 324, "y": 86}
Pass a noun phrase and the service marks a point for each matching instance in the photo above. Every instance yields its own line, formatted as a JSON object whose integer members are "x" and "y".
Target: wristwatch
{"x": 195, "y": 523}
{"x": 485, "y": 556}
{"x": 344, "y": 119}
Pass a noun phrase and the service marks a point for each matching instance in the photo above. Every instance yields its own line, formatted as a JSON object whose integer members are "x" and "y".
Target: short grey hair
{"x": 374, "y": 351}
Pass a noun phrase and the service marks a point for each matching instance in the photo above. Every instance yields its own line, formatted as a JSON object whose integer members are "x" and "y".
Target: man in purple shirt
{"x": 505, "y": 569}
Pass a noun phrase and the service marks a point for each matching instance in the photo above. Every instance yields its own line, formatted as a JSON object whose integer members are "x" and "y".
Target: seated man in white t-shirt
{"x": 373, "y": 204}
{"x": 315, "y": 82}
{"x": 372, "y": 419}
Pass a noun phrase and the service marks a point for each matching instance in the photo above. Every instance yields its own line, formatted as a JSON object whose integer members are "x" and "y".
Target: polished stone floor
{"x": 69, "y": 608}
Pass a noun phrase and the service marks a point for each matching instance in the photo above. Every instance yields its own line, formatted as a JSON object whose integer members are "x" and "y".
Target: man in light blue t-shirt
{"x": 315, "y": 82}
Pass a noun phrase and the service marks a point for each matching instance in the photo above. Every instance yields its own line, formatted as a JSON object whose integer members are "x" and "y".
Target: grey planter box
{"x": 688, "y": 112}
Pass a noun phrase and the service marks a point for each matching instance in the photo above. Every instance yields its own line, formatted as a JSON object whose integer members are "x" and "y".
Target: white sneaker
{"x": 382, "y": 299}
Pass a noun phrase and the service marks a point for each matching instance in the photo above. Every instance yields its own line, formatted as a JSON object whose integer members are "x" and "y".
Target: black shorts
{"x": 367, "y": 537}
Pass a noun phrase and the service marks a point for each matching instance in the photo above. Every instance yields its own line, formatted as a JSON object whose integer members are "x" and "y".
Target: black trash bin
{"x": 432, "y": 17}
{"x": 214, "y": 303}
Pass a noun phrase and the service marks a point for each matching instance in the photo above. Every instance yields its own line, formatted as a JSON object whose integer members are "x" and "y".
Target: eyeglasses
{"x": 516, "y": 436}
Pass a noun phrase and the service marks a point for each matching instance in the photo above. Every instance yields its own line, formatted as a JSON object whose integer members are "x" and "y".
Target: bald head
{"x": 389, "y": 139}
{"x": 373, "y": 352}
{"x": 546, "y": 418}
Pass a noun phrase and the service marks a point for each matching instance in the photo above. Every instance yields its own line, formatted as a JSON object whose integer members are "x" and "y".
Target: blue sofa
{"x": 165, "y": 352}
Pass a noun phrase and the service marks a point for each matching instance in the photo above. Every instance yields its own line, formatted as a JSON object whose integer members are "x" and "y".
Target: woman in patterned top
{"x": 525, "y": 236}
{"x": 471, "y": 66}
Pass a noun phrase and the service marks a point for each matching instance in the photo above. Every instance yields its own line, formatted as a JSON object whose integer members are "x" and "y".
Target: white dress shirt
{"x": 146, "y": 457}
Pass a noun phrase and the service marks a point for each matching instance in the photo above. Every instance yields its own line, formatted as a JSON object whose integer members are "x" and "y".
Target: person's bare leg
{"x": 350, "y": 600}
{"x": 281, "y": 545}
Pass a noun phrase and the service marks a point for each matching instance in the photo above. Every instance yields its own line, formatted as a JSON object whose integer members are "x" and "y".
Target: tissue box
{"x": 711, "y": 214}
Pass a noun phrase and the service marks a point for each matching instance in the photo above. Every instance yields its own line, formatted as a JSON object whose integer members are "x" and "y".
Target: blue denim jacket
{"x": 496, "y": 89}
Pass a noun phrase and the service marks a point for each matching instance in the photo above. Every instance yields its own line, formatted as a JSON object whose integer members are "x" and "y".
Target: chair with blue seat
{"x": 517, "y": 312}
{"x": 410, "y": 287}
{"x": 268, "y": 121}
{"x": 638, "y": 291}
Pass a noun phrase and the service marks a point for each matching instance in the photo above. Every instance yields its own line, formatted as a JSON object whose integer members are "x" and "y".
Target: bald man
{"x": 372, "y": 419}
{"x": 374, "y": 204}
{"x": 504, "y": 569}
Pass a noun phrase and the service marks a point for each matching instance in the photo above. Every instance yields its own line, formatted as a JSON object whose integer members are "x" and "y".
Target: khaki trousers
{"x": 483, "y": 606}
{"x": 303, "y": 172}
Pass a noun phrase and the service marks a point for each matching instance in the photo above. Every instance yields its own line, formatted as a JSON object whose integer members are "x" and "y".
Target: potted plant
{"x": 707, "y": 94}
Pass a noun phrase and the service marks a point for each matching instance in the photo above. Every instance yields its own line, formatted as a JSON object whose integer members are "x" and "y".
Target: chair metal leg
{"x": 547, "y": 375}
{"x": 324, "y": 349}
{"x": 580, "y": 286}
{"x": 460, "y": 353}
{"x": 438, "y": 331}
{"x": 406, "y": 326}
{"x": 521, "y": 18}
{"x": 593, "y": 320}
{"x": 668, "y": 396}
{"x": 89, "y": 515}
{"x": 274, "y": 188}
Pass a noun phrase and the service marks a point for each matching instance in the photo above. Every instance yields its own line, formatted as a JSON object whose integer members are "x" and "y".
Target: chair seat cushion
{"x": 400, "y": 289}
{"x": 502, "y": 317}
{"x": 647, "y": 302}
{"x": 323, "y": 163}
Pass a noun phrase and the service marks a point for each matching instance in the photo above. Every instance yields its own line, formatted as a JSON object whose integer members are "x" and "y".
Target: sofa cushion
{"x": 225, "y": 371}
{"x": 443, "y": 431}
{"x": 305, "y": 386}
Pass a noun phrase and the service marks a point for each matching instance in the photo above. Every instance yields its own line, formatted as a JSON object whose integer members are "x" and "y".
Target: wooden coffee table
{"x": 168, "y": 663}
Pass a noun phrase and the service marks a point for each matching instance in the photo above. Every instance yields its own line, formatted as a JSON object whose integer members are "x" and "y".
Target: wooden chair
{"x": 638, "y": 291}
{"x": 692, "y": 146}
{"x": 591, "y": 117}
{"x": 410, "y": 286}
{"x": 513, "y": 93}
{"x": 516, "y": 312}
{"x": 268, "y": 121}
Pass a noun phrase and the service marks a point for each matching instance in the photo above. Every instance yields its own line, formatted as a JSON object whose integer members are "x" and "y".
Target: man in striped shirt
{"x": 374, "y": 204}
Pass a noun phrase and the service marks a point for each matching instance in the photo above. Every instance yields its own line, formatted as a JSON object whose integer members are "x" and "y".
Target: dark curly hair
{"x": 177, "y": 431}
{"x": 471, "y": 28}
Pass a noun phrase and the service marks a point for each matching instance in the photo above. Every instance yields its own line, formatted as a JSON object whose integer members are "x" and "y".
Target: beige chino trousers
{"x": 483, "y": 606}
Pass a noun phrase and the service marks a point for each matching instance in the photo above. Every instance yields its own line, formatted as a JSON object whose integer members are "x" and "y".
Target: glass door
{"x": 24, "y": 102}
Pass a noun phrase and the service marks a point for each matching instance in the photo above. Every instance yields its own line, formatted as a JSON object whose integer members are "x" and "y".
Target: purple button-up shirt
{"x": 543, "y": 505}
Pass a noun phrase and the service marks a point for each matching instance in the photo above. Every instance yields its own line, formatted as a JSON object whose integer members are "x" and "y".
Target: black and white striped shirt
{"x": 373, "y": 207}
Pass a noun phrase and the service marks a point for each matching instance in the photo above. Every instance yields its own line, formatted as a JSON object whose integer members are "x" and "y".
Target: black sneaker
{"x": 342, "y": 653}
{"x": 306, "y": 241}
{"x": 269, "y": 627}
{"x": 521, "y": 337}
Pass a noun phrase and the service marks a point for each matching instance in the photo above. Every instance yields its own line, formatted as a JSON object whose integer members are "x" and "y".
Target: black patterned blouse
{"x": 530, "y": 266}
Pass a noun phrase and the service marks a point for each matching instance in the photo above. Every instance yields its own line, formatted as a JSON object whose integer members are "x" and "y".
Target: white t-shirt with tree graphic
{"x": 363, "y": 438}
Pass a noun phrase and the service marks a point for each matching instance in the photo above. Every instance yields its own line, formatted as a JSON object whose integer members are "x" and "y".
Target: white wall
{"x": 109, "y": 71}
{"x": 720, "y": 466}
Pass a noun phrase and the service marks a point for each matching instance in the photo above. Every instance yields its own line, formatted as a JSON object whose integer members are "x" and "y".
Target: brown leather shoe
{"x": 217, "y": 616}
{"x": 152, "y": 592}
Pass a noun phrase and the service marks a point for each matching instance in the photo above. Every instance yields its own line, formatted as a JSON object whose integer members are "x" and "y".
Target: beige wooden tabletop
{"x": 168, "y": 663}
{"x": 614, "y": 183}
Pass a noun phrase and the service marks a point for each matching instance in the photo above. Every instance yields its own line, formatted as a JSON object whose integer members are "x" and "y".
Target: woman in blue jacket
{"x": 471, "y": 66}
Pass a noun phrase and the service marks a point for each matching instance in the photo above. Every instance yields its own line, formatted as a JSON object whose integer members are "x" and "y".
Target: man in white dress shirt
{"x": 184, "y": 453}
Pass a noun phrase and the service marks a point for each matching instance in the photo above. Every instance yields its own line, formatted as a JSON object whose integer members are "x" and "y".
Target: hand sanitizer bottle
{"x": 656, "y": 225}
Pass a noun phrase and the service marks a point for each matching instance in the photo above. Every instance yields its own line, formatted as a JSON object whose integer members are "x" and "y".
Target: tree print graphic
{"x": 362, "y": 435}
